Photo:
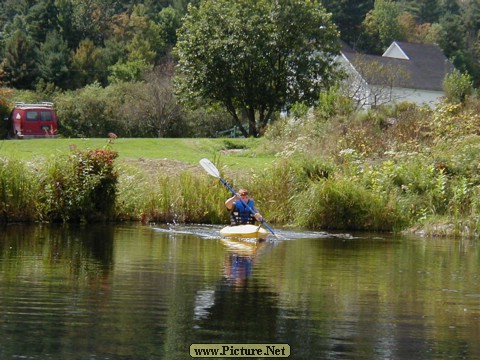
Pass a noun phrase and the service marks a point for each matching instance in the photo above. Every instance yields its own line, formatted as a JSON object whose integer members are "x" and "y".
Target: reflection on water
{"x": 136, "y": 292}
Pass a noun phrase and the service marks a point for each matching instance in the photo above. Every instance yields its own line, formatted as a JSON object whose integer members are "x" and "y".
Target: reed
{"x": 18, "y": 190}
{"x": 276, "y": 187}
{"x": 183, "y": 198}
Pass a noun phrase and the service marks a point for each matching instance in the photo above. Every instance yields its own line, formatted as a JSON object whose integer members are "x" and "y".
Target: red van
{"x": 32, "y": 121}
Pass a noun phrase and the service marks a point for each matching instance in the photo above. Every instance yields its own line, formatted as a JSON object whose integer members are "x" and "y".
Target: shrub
{"x": 80, "y": 188}
{"x": 345, "y": 205}
{"x": 457, "y": 86}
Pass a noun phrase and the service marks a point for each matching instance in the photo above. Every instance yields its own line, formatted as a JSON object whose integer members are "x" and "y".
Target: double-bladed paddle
{"x": 211, "y": 169}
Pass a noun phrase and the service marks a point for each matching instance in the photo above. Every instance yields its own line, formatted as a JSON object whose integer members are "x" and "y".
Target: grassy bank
{"x": 400, "y": 168}
{"x": 155, "y": 179}
{"x": 188, "y": 151}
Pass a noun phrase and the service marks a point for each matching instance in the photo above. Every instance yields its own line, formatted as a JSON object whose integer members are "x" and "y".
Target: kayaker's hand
{"x": 258, "y": 217}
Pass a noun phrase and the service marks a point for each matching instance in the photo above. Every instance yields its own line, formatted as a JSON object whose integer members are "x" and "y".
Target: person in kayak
{"x": 239, "y": 205}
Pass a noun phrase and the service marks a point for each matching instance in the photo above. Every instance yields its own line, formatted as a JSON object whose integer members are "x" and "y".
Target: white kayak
{"x": 244, "y": 231}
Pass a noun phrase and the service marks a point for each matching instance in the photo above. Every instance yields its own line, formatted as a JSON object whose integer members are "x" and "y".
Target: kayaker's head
{"x": 243, "y": 193}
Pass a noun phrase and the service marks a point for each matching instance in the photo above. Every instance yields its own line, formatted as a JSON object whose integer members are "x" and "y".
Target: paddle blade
{"x": 210, "y": 168}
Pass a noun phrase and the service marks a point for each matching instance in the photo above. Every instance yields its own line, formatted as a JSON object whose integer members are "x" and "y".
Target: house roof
{"x": 417, "y": 66}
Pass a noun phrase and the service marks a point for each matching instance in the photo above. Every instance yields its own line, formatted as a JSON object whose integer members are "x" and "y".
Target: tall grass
{"x": 345, "y": 205}
{"x": 184, "y": 198}
{"x": 18, "y": 191}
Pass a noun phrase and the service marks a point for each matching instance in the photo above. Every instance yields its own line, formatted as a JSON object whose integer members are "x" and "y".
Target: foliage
{"x": 403, "y": 166}
{"x": 88, "y": 61}
{"x": 255, "y": 58}
{"x": 457, "y": 86}
{"x": 381, "y": 25}
{"x": 146, "y": 109}
{"x": 18, "y": 66}
{"x": 188, "y": 199}
{"x": 129, "y": 37}
{"x": 348, "y": 16}
{"x": 80, "y": 188}
{"x": 346, "y": 205}
{"x": 53, "y": 60}
{"x": 84, "y": 113}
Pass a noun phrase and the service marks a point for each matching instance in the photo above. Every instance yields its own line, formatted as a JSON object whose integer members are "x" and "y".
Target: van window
{"x": 32, "y": 115}
{"x": 46, "y": 116}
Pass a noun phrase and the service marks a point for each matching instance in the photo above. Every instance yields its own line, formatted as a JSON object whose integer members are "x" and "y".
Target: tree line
{"x": 73, "y": 43}
{"x": 56, "y": 46}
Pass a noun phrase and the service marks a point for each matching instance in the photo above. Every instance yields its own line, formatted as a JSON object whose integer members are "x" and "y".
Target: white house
{"x": 405, "y": 72}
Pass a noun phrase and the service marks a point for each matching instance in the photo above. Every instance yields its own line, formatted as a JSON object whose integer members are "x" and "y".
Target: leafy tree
{"x": 414, "y": 32}
{"x": 452, "y": 36}
{"x": 150, "y": 108}
{"x": 381, "y": 26}
{"x": 88, "y": 64}
{"x": 140, "y": 40}
{"x": 449, "y": 7}
{"x": 91, "y": 19}
{"x": 255, "y": 57}
{"x": 128, "y": 71}
{"x": 84, "y": 112}
{"x": 470, "y": 13}
{"x": 11, "y": 8}
{"x": 170, "y": 20}
{"x": 66, "y": 24}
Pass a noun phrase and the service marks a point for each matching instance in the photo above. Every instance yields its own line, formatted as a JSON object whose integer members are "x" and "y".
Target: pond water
{"x": 149, "y": 292}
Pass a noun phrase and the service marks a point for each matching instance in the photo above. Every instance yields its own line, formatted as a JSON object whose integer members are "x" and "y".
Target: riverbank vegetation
{"x": 395, "y": 168}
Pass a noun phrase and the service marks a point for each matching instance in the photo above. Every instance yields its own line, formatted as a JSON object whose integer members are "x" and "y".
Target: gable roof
{"x": 422, "y": 66}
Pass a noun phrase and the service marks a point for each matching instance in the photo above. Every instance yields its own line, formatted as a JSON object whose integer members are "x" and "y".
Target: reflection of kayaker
{"x": 238, "y": 268}
{"x": 240, "y": 256}
{"x": 242, "y": 209}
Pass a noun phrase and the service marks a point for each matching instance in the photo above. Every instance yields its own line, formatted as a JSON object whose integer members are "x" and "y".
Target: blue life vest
{"x": 240, "y": 214}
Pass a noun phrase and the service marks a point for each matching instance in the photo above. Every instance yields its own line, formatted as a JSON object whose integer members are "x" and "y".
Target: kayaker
{"x": 239, "y": 205}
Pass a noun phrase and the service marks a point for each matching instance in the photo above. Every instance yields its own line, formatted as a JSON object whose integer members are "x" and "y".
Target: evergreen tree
{"x": 54, "y": 60}
{"x": 40, "y": 19}
{"x": 348, "y": 16}
{"x": 449, "y": 7}
{"x": 429, "y": 11}
{"x": 452, "y": 36}
{"x": 19, "y": 68}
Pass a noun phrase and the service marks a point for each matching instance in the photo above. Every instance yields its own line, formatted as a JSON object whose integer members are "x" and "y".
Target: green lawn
{"x": 189, "y": 151}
